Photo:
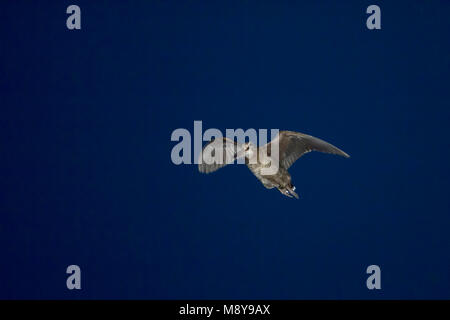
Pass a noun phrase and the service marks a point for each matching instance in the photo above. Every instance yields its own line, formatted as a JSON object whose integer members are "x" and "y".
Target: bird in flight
{"x": 290, "y": 145}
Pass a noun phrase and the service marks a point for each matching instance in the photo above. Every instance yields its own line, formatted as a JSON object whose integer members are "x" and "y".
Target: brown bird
{"x": 264, "y": 161}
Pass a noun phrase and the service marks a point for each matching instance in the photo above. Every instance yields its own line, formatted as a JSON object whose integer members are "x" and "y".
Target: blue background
{"x": 86, "y": 176}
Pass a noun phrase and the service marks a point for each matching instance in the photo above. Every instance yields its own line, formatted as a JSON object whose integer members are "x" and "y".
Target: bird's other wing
{"x": 292, "y": 145}
{"x": 218, "y": 153}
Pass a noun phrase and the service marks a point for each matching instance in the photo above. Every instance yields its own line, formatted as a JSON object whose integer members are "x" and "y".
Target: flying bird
{"x": 291, "y": 146}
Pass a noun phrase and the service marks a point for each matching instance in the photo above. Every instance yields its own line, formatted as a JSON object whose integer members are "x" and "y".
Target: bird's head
{"x": 249, "y": 149}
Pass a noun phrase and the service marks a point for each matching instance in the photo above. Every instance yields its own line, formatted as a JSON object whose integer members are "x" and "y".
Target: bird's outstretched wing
{"x": 218, "y": 153}
{"x": 292, "y": 145}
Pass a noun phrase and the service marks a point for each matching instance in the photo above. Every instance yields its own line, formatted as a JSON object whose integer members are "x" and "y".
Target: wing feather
{"x": 218, "y": 153}
{"x": 292, "y": 145}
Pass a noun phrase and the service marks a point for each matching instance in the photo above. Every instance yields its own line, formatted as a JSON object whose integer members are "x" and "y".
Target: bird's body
{"x": 290, "y": 146}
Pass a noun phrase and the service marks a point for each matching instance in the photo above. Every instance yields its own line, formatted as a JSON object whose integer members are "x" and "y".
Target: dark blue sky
{"x": 86, "y": 176}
